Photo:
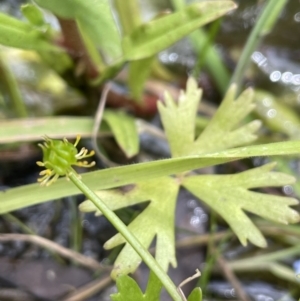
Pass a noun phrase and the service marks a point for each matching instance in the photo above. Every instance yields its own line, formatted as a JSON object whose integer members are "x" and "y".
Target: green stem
{"x": 129, "y": 14}
{"x": 12, "y": 88}
{"x": 75, "y": 225}
{"x": 11, "y": 218}
{"x": 269, "y": 257}
{"x": 130, "y": 238}
{"x": 264, "y": 24}
{"x": 212, "y": 59}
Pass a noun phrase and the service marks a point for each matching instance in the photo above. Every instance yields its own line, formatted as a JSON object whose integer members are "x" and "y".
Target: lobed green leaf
{"x": 222, "y": 131}
{"x": 179, "y": 118}
{"x": 129, "y": 290}
{"x": 229, "y": 195}
{"x": 157, "y": 220}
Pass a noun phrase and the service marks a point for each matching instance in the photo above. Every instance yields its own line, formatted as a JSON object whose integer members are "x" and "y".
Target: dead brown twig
{"x": 230, "y": 276}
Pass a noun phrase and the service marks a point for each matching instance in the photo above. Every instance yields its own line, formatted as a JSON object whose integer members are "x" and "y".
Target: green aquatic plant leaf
{"x": 231, "y": 195}
{"x": 222, "y": 132}
{"x": 179, "y": 118}
{"x": 150, "y": 38}
{"x": 128, "y": 289}
{"x": 27, "y": 195}
{"x": 157, "y": 220}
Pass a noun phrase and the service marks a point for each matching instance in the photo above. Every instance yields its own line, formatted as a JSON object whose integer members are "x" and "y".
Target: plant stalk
{"x": 130, "y": 238}
{"x": 12, "y": 88}
{"x": 265, "y": 22}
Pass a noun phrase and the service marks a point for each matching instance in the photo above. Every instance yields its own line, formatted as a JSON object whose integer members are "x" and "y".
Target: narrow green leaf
{"x": 34, "y": 129}
{"x": 156, "y": 35}
{"x": 10, "y": 88}
{"x": 273, "y": 17}
{"x": 124, "y": 130}
{"x": 138, "y": 73}
{"x": 213, "y": 61}
{"x": 27, "y": 195}
{"x": 229, "y": 195}
{"x": 265, "y": 20}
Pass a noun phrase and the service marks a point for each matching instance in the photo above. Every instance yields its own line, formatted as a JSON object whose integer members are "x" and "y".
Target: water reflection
{"x": 198, "y": 216}
{"x": 275, "y": 76}
{"x": 286, "y": 77}
{"x": 258, "y": 291}
{"x": 259, "y": 59}
{"x": 271, "y": 113}
{"x": 264, "y": 298}
{"x": 297, "y": 17}
{"x": 288, "y": 190}
{"x": 267, "y": 102}
{"x": 296, "y": 266}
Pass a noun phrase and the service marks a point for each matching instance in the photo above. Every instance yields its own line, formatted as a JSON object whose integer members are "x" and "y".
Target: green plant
{"x": 58, "y": 158}
{"x": 226, "y": 194}
{"x": 222, "y": 140}
{"x": 96, "y": 30}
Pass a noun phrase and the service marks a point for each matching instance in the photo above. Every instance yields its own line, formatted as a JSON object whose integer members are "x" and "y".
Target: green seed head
{"x": 58, "y": 158}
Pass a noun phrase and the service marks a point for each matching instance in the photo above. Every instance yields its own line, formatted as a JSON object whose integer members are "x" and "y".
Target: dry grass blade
{"x": 52, "y": 246}
{"x": 230, "y": 276}
{"x": 89, "y": 290}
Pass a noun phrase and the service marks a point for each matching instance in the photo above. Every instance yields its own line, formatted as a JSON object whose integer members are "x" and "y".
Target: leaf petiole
{"x": 130, "y": 238}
